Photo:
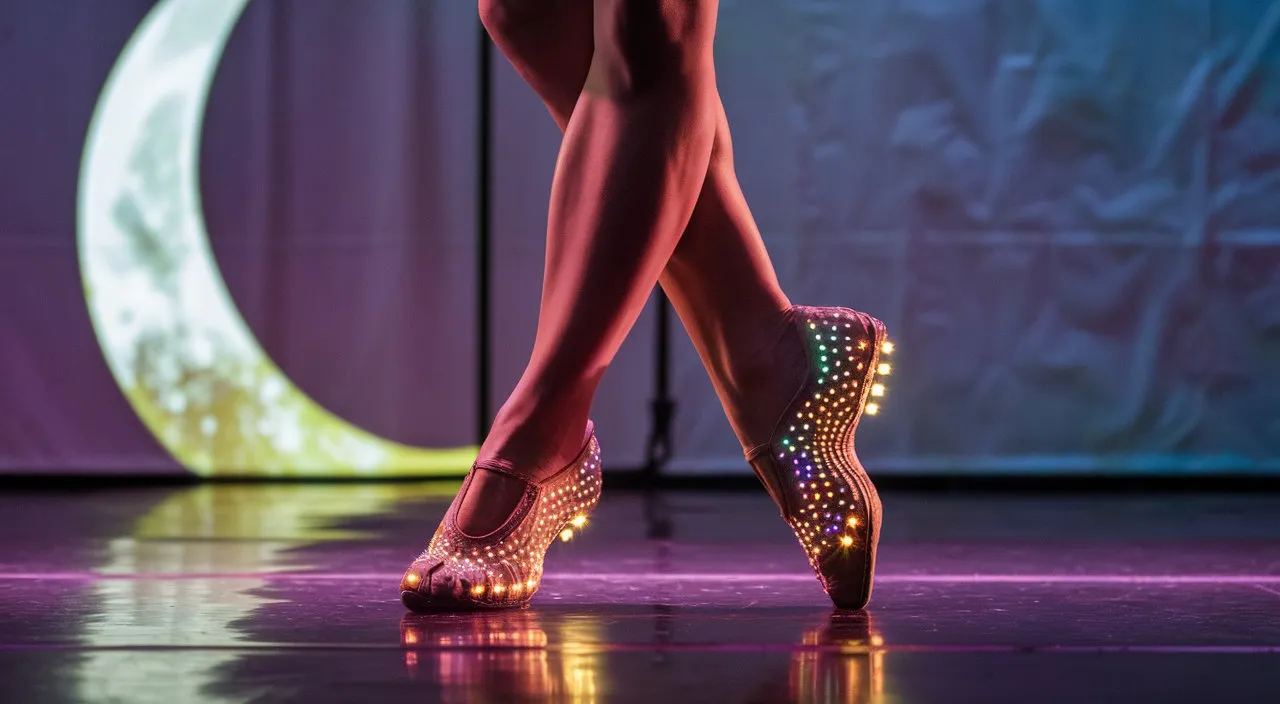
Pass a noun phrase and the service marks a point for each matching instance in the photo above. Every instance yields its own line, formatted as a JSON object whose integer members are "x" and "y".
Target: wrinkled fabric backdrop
{"x": 1066, "y": 211}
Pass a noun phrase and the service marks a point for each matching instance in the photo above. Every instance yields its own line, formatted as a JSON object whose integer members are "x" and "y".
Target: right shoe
{"x": 809, "y": 466}
{"x": 504, "y": 568}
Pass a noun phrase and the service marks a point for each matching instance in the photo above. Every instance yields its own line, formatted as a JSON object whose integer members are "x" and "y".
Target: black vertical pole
{"x": 662, "y": 406}
{"x": 484, "y": 168}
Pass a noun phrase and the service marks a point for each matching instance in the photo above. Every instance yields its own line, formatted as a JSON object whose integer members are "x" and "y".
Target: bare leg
{"x": 719, "y": 278}
{"x": 645, "y": 138}
{"x": 636, "y": 151}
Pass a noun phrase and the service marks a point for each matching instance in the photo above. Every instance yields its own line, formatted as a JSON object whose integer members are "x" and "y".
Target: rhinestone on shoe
{"x": 504, "y": 569}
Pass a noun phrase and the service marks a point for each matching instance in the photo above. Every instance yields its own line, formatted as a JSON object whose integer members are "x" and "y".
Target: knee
{"x": 643, "y": 46}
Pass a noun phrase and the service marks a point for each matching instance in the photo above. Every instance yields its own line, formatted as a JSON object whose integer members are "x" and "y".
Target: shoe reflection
{"x": 517, "y": 656}
{"x": 840, "y": 661}
{"x": 503, "y": 656}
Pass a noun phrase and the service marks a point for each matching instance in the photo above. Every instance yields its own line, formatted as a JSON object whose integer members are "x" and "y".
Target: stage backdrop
{"x": 238, "y": 236}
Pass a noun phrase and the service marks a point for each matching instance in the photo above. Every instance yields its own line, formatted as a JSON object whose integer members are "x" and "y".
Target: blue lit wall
{"x": 1068, "y": 211}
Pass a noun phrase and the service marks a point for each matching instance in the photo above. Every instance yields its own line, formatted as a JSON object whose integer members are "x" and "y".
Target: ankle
{"x": 750, "y": 353}
{"x": 533, "y": 445}
{"x": 760, "y": 376}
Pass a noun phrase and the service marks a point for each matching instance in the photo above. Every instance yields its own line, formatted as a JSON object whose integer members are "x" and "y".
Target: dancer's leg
{"x": 755, "y": 346}
{"x": 633, "y": 161}
{"x": 719, "y": 278}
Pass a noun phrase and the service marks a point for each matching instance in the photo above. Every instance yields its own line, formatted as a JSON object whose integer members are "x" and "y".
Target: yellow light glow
{"x": 412, "y": 578}
{"x": 873, "y": 408}
{"x": 498, "y": 589}
{"x": 853, "y": 521}
{"x": 477, "y": 590}
{"x": 578, "y": 521}
{"x": 566, "y": 535}
{"x": 887, "y": 347}
{"x": 877, "y": 389}
{"x": 846, "y": 540}
{"x": 884, "y": 369}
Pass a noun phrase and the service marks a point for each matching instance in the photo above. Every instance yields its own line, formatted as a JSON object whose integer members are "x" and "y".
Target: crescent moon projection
{"x": 171, "y": 333}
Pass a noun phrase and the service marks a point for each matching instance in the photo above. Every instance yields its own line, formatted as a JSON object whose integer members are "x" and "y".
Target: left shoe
{"x": 503, "y": 570}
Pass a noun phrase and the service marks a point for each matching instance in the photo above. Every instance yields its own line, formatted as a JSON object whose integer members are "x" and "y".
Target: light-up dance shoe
{"x": 809, "y": 466}
{"x": 504, "y": 568}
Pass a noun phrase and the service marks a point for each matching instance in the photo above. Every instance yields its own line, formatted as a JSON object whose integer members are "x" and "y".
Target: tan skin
{"x": 644, "y": 192}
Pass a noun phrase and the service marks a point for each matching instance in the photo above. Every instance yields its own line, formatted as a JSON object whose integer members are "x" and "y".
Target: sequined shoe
{"x": 809, "y": 466}
{"x": 503, "y": 569}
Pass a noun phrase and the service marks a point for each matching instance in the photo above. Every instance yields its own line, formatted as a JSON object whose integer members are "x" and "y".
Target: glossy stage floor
{"x": 270, "y": 593}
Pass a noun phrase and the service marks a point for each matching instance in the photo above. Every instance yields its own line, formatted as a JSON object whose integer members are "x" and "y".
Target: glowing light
{"x": 563, "y": 501}
{"x": 821, "y": 460}
{"x": 887, "y": 347}
{"x": 884, "y": 369}
{"x": 412, "y": 578}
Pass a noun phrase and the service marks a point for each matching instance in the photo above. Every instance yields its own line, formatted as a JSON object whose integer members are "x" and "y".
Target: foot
{"x": 807, "y": 461}
{"x": 496, "y": 487}
{"x": 502, "y": 568}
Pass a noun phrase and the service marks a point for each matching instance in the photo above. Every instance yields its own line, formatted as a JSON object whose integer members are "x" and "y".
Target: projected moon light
{"x": 172, "y": 336}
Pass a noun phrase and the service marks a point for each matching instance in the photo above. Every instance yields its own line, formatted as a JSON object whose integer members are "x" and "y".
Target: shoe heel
{"x": 574, "y": 527}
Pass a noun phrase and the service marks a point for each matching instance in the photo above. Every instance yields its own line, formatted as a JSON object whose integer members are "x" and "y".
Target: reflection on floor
{"x": 269, "y": 592}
